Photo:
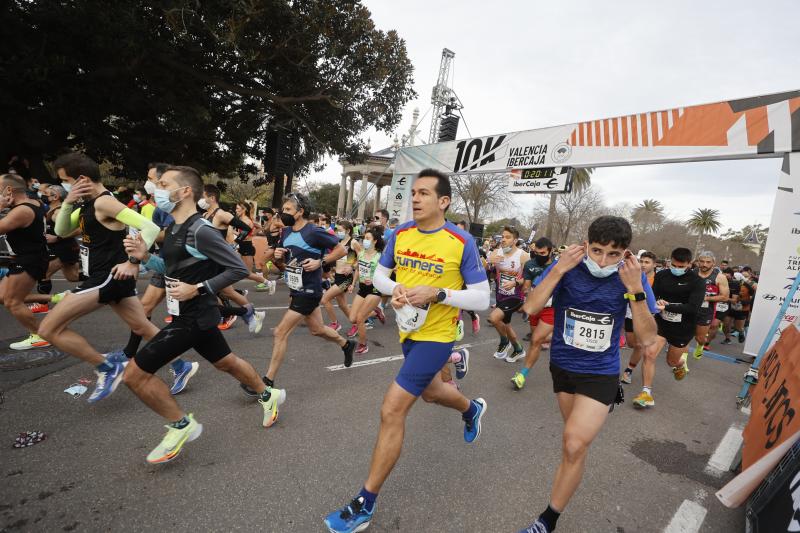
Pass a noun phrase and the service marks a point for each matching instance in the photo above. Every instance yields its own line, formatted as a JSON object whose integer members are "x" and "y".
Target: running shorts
{"x": 343, "y": 281}
{"x": 182, "y": 334}
{"x": 546, "y": 315}
{"x": 305, "y": 304}
{"x": 509, "y": 307}
{"x": 246, "y": 249}
{"x": 109, "y": 290}
{"x": 423, "y": 361}
{"x": 66, "y": 251}
{"x": 365, "y": 290}
{"x": 705, "y": 316}
{"x": 677, "y": 334}
{"x": 600, "y": 387}
{"x": 740, "y": 315}
{"x": 34, "y": 266}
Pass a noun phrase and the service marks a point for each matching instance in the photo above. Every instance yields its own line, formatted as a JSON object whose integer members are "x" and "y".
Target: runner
{"x": 591, "y": 285}
{"x": 679, "y": 293}
{"x": 64, "y": 252}
{"x": 648, "y": 262}
{"x": 272, "y": 234}
{"x": 111, "y": 273}
{"x": 474, "y": 318}
{"x": 342, "y": 277}
{"x": 300, "y": 254}
{"x": 716, "y": 291}
{"x": 23, "y": 227}
{"x": 741, "y": 313}
{"x": 725, "y": 309}
{"x": 508, "y": 261}
{"x": 368, "y": 297}
{"x": 541, "y": 323}
{"x": 244, "y": 237}
{"x": 197, "y": 263}
{"x": 434, "y": 259}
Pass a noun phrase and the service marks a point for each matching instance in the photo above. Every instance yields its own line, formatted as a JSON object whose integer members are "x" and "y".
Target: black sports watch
{"x": 638, "y": 297}
{"x": 201, "y": 289}
{"x": 441, "y": 295}
{"x": 132, "y": 260}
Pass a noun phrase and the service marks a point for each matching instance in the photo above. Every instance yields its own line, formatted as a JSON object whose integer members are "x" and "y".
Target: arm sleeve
{"x": 648, "y": 292}
{"x": 471, "y": 269}
{"x": 67, "y": 220}
{"x": 241, "y": 226}
{"x": 149, "y": 231}
{"x": 474, "y": 298}
{"x": 381, "y": 280}
{"x": 696, "y": 298}
{"x": 210, "y": 243}
{"x": 156, "y": 264}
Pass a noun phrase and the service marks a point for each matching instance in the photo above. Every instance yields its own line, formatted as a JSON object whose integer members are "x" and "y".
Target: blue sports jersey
{"x": 161, "y": 218}
{"x": 589, "y": 319}
{"x": 308, "y": 243}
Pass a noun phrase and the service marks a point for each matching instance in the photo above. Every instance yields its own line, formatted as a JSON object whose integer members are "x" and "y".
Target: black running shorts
{"x": 35, "y": 267}
{"x": 182, "y": 334}
{"x": 246, "y": 249}
{"x": 305, "y": 304}
{"x": 509, "y": 307}
{"x": 705, "y": 316}
{"x": 365, "y": 290}
{"x": 110, "y": 290}
{"x": 343, "y": 281}
{"x": 677, "y": 334}
{"x": 600, "y": 387}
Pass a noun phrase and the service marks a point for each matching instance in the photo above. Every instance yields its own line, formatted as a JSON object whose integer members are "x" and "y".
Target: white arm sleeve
{"x": 474, "y": 298}
{"x": 381, "y": 281}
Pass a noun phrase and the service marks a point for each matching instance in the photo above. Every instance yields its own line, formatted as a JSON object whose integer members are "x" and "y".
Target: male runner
{"x": 196, "y": 262}
{"x": 300, "y": 254}
{"x": 541, "y": 323}
{"x": 679, "y": 292}
{"x": 591, "y": 285}
{"x": 508, "y": 261}
{"x": 111, "y": 273}
{"x": 433, "y": 260}
{"x": 474, "y": 317}
{"x": 725, "y": 309}
{"x": 716, "y": 291}
{"x": 648, "y": 262}
{"x": 23, "y": 227}
{"x": 747, "y": 291}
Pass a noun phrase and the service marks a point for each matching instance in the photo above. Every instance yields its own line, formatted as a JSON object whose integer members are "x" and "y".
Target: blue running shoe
{"x": 462, "y": 367}
{"x": 472, "y": 426}
{"x": 351, "y": 518}
{"x": 182, "y": 377}
{"x": 537, "y": 527}
{"x": 107, "y": 381}
{"x": 117, "y": 356}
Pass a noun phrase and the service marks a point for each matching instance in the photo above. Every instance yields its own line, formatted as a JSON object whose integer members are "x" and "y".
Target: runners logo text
{"x": 410, "y": 259}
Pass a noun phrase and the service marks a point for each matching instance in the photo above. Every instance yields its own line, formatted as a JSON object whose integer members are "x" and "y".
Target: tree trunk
{"x": 551, "y": 215}
{"x": 697, "y": 246}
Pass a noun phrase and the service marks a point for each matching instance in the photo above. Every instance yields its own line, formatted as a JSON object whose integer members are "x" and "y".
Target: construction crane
{"x": 443, "y": 98}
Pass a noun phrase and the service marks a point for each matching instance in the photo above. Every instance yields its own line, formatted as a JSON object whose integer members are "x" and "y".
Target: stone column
{"x": 342, "y": 196}
{"x": 362, "y": 203}
{"x": 378, "y": 197}
{"x": 350, "y": 191}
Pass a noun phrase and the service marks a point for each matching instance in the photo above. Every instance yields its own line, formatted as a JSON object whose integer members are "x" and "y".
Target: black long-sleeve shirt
{"x": 685, "y": 294}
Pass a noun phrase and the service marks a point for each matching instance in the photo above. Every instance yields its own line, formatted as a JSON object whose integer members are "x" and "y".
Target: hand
{"x": 135, "y": 246}
{"x": 350, "y": 288}
{"x": 182, "y": 291}
{"x": 125, "y": 270}
{"x": 279, "y": 253}
{"x": 661, "y": 304}
{"x": 509, "y": 285}
{"x": 421, "y": 295}
{"x": 399, "y": 296}
{"x": 50, "y": 238}
{"x": 496, "y": 257}
{"x": 310, "y": 265}
{"x": 80, "y": 188}
{"x": 630, "y": 273}
{"x": 570, "y": 258}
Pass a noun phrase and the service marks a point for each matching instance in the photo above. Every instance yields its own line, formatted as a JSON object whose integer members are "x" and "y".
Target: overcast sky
{"x": 530, "y": 64}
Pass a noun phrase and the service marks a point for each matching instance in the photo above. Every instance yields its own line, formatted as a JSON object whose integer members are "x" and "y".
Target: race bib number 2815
{"x": 588, "y": 331}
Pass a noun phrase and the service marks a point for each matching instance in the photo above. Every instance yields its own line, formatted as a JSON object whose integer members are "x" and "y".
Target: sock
{"x": 550, "y": 517}
{"x": 177, "y": 365}
{"x": 471, "y": 411}
{"x": 105, "y": 367}
{"x": 268, "y": 382}
{"x": 266, "y": 394}
{"x": 525, "y": 371}
{"x": 180, "y": 424}
{"x": 517, "y": 347}
{"x": 630, "y": 368}
{"x": 503, "y": 340}
{"x": 369, "y": 499}
{"x": 133, "y": 344}
{"x": 455, "y": 357}
{"x": 648, "y": 390}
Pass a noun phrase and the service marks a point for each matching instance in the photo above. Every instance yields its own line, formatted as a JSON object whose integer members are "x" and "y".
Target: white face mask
{"x": 202, "y": 203}
{"x": 150, "y": 187}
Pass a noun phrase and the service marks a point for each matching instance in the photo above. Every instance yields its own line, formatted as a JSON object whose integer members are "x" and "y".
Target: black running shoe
{"x": 250, "y": 392}
{"x": 741, "y": 337}
{"x": 348, "y": 350}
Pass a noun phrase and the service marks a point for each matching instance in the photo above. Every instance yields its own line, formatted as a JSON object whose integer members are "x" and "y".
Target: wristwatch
{"x": 638, "y": 297}
{"x": 201, "y": 289}
{"x": 441, "y": 295}
{"x": 132, "y": 260}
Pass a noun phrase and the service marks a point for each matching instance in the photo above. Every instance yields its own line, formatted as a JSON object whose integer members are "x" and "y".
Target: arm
{"x": 131, "y": 218}
{"x": 17, "y": 218}
{"x": 536, "y": 300}
{"x": 381, "y": 280}
{"x": 237, "y": 223}
{"x": 155, "y": 263}
{"x": 696, "y": 298}
{"x": 67, "y": 220}
{"x": 210, "y": 243}
{"x": 474, "y": 298}
{"x": 724, "y": 290}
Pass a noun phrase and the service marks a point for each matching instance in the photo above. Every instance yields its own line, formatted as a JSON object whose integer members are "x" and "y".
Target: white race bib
{"x": 364, "y": 271}
{"x": 410, "y": 318}
{"x": 505, "y": 279}
{"x": 84, "y": 259}
{"x": 705, "y": 304}
{"x": 669, "y": 316}
{"x": 294, "y": 277}
{"x": 588, "y": 331}
{"x": 173, "y": 305}
{"x": 722, "y": 307}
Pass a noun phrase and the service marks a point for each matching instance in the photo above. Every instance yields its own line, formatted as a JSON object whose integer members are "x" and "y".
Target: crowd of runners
{"x": 582, "y": 302}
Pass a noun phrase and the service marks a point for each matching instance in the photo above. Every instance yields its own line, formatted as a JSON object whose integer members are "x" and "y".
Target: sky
{"x": 531, "y": 64}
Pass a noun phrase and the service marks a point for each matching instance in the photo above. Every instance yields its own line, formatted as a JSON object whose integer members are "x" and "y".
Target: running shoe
{"x": 643, "y": 401}
{"x": 680, "y": 371}
{"x": 476, "y": 325}
{"x": 502, "y": 350}
{"x": 727, "y": 341}
{"x": 369, "y": 324}
{"x": 527, "y": 337}
{"x": 256, "y": 322}
{"x": 515, "y": 356}
{"x": 362, "y": 348}
{"x": 250, "y": 392}
{"x": 462, "y": 367}
{"x": 37, "y": 309}
{"x": 381, "y": 316}
{"x": 335, "y": 326}
{"x": 348, "y": 350}
{"x": 33, "y": 341}
{"x": 168, "y": 319}
{"x": 181, "y": 378}
{"x": 273, "y": 285}
{"x": 698, "y": 352}
{"x": 227, "y": 322}
{"x": 626, "y": 376}
{"x": 117, "y": 356}
{"x": 518, "y": 380}
{"x": 741, "y": 337}
{"x": 172, "y": 443}
{"x": 537, "y": 527}
{"x": 460, "y": 330}
{"x": 276, "y": 398}
{"x": 353, "y": 331}
{"x": 351, "y": 518}
{"x": 107, "y": 381}
{"x": 262, "y": 287}
{"x": 472, "y": 426}
{"x": 706, "y": 346}
{"x": 56, "y": 298}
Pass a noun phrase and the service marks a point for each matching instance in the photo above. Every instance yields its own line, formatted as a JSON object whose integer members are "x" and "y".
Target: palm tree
{"x": 649, "y": 214}
{"x": 581, "y": 179}
{"x": 703, "y": 221}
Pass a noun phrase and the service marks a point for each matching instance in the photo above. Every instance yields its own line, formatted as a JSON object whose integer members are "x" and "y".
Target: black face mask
{"x": 541, "y": 260}
{"x": 287, "y": 219}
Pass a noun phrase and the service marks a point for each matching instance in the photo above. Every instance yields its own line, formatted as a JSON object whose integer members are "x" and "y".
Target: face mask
{"x": 137, "y": 198}
{"x": 67, "y": 186}
{"x": 677, "y": 271}
{"x": 287, "y": 219}
{"x": 202, "y": 203}
{"x": 150, "y": 187}
{"x": 506, "y": 249}
{"x": 598, "y": 271}
{"x": 39, "y": 194}
{"x": 367, "y": 244}
{"x": 35, "y": 186}
{"x": 541, "y": 260}
{"x": 341, "y": 235}
{"x": 162, "y": 200}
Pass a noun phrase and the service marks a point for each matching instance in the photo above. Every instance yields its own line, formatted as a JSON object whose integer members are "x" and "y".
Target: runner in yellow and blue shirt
{"x": 433, "y": 260}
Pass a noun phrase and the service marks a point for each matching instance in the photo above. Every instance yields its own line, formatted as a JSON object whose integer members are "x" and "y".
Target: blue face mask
{"x": 162, "y": 200}
{"x": 598, "y": 271}
{"x": 677, "y": 271}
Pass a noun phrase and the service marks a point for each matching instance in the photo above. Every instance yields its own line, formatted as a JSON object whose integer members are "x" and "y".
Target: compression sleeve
{"x": 67, "y": 220}
{"x": 210, "y": 243}
{"x": 149, "y": 231}
{"x": 381, "y": 280}
{"x": 241, "y": 226}
{"x": 474, "y": 298}
{"x": 156, "y": 264}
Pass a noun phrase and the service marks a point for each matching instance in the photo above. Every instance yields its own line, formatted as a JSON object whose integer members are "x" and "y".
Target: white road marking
{"x": 379, "y": 360}
{"x": 726, "y": 451}
{"x": 687, "y": 519}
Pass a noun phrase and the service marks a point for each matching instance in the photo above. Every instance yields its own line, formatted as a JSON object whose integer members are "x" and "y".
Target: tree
{"x": 648, "y": 216}
{"x": 575, "y": 212}
{"x": 703, "y": 221}
{"x": 481, "y": 195}
{"x": 581, "y": 179}
{"x": 195, "y": 83}
{"x": 496, "y": 227}
{"x": 324, "y": 197}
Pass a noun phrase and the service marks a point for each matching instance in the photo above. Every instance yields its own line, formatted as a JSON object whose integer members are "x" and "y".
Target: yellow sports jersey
{"x": 446, "y": 257}
{"x": 147, "y": 211}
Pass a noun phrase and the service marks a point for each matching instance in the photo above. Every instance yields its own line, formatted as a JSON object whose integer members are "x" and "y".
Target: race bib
{"x": 705, "y": 304}
{"x": 722, "y": 307}
{"x": 504, "y": 279}
{"x": 84, "y": 259}
{"x": 173, "y": 305}
{"x": 364, "y": 271}
{"x": 410, "y": 318}
{"x": 294, "y": 277}
{"x": 669, "y": 316}
{"x": 588, "y": 331}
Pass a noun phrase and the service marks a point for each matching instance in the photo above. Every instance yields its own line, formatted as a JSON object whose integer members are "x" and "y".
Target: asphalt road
{"x": 91, "y": 475}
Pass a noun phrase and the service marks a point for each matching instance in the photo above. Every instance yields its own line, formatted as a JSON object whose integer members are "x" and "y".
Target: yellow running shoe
{"x": 460, "y": 331}
{"x": 680, "y": 371}
{"x": 276, "y": 398}
{"x": 33, "y": 341}
{"x": 56, "y": 298}
{"x": 643, "y": 401}
{"x": 173, "y": 442}
{"x": 518, "y": 380}
{"x": 698, "y": 352}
